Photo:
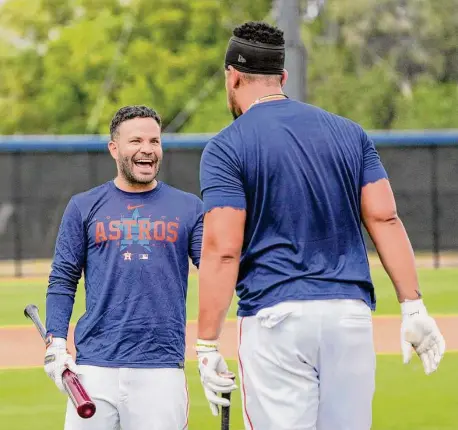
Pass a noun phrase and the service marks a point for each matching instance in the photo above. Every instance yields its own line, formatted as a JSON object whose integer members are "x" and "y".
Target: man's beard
{"x": 126, "y": 166}
{"x": 233, "y": 107}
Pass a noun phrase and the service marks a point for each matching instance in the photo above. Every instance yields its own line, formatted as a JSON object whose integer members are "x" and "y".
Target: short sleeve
{"x": 221, "y": 177}
{"x": 373, "y": 169}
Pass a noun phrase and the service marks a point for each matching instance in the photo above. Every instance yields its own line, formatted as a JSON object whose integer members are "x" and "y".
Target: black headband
{"x": 255, "y": 57}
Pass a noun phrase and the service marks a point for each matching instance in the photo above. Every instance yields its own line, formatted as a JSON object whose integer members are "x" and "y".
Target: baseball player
{"x": 132, "y": 237}
{"x": 286, "y": 188}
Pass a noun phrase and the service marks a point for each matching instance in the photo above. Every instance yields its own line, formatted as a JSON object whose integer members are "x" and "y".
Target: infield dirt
{"x": 23, "y": 347}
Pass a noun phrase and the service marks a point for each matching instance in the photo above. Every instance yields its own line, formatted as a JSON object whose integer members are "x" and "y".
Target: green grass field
{"x": 406, "y": 399}
{"x": 438, "y": 286}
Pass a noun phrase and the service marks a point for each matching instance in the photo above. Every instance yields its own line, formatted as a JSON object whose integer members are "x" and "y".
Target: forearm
{"x": 66, "y": 271}
{"x": 217, "y": 280}
{"x": 59, "y": 307}
{"x": 397, "y": 256}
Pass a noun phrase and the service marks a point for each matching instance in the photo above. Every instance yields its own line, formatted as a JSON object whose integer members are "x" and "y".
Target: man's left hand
{"x": 420, "y": 332}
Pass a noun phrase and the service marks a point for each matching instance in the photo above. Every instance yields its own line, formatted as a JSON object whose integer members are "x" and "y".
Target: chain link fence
{"x": 38, "y": 175}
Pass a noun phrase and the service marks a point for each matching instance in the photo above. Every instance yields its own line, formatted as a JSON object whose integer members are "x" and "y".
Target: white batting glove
{"x": 57, "y": 359}
{"x": 214, "y": 374}
{"x": 420, "y": 331}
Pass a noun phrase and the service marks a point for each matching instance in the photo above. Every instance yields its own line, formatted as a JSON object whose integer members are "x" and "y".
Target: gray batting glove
{"x": 214, "y": 374}
{"x": 57, "y": 359}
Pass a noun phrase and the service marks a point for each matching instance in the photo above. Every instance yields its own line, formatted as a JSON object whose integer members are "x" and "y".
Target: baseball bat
{"x": 84, "y": 405}
{"x": 225, "y": 412}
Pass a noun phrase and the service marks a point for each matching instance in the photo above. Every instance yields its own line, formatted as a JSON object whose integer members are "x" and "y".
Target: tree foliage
{"x": 386, "y": 63}
{"x": 67, "y": 66}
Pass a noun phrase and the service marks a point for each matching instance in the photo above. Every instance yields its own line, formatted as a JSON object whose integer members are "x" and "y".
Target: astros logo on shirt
{"x": 136, "y": 230}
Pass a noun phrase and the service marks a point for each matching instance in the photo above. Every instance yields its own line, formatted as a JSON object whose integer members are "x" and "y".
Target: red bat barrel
{"x": 83, "y": 403}
{"x": 85, "y": 407}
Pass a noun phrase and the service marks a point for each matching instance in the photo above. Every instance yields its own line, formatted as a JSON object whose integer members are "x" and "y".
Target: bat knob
{"x": 29, "y": 309}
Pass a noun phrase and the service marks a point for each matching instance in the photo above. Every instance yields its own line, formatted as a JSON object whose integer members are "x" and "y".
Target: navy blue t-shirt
{"x": 134, "y": 251}
{"x": 298, "y": 172}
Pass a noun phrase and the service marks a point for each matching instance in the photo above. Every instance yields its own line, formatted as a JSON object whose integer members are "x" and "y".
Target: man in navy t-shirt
{"x": 286, "y": 188}
{"x": 132, "y": 238}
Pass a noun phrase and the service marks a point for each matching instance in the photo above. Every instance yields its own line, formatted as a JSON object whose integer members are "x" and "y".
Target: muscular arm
{"x": 66, "y": 271}
{"x": 390, "y": 238}
{"x": 224, "y": 226}
{"x": 379, "y": 215}
{"x": 219, "y": 266}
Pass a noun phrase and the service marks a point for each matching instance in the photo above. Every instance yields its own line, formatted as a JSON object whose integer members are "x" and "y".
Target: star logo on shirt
{"x": 127, "y": 256}
{"x": 135, "y": 237}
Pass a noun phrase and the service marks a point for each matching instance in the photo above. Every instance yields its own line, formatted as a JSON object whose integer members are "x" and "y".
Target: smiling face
{"x": 137, "y": 149}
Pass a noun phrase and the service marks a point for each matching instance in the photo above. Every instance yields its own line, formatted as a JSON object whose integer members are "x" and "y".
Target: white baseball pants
{"x": 132, "y": 399}
{"x": 308, "y": 365}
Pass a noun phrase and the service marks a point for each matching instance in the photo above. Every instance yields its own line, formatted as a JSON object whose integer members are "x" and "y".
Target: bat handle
{"x": 226, "y": 396}
{"x": 225, "y": 412}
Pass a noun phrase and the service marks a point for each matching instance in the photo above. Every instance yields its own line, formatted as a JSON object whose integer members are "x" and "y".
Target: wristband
{"x": 206, "y": 345}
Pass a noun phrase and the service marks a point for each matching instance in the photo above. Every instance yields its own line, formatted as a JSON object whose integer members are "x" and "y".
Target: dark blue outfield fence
{"x": 38, "y": 175}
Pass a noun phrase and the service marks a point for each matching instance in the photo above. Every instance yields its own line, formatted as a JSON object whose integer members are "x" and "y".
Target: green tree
{"x": 368, "y": 59}
{"x": 431, "y": 105}
{"x": 67, "y": 66}
{"x": 77, "y": 64}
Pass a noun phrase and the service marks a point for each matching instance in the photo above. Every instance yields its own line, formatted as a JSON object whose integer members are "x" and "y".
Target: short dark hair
{"x": 258, "y": 31}
{"x": 131, "y": 112}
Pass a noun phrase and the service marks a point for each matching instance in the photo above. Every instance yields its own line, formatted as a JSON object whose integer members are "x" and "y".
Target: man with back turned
{"x": 286, "y": 189}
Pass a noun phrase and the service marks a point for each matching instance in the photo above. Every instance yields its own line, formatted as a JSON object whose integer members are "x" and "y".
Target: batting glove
{"x": 420, "y": 331}
{"x": 57, "y": 359}
{"x": 214, "y": 374}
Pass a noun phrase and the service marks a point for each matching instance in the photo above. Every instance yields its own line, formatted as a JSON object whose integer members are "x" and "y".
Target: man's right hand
{"x": 214, "y": 374}
{"x": 57, "y": 359}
